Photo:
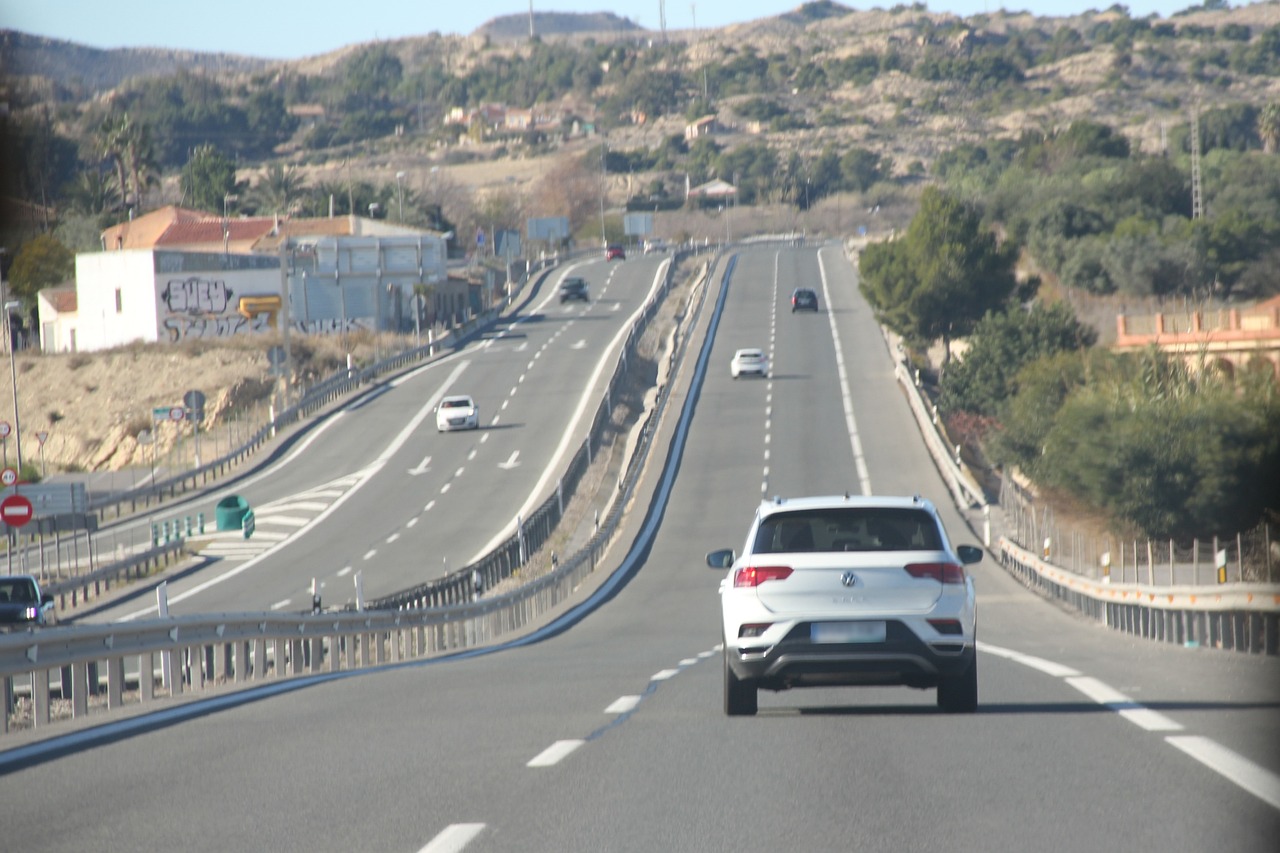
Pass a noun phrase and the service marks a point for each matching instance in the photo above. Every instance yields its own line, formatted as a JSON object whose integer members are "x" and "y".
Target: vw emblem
{"x": 849, "y": 579}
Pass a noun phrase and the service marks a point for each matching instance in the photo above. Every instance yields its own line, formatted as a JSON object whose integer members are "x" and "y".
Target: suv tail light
{"x": 940, "y": 572}
{"x": 756, "y": 575}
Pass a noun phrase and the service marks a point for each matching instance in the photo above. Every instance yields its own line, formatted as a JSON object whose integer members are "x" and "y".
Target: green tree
{"x": 40, "y": 262}
{"x": 942, "y": 277}
{"x": 1269, "y": 127}
{"x": 207, "y": 179}
{"x": 1000, "y": 345}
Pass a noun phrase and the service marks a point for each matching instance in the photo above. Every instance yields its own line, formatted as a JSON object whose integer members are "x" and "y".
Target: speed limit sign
{"x": 8, "y": 477}
{"x": 5, "y": 429}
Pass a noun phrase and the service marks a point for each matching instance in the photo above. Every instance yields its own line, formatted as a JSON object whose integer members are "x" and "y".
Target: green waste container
{"x": 230, "y": 512}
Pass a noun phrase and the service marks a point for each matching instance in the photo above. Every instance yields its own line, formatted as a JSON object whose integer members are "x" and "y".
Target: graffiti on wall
{"x": 205, "y": 308}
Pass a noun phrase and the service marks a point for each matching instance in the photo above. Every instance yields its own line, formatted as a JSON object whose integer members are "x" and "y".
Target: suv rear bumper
{"x": 902, "y": 659}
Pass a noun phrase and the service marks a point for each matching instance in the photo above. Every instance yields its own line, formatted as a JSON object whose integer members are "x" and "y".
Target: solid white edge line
{"x": 567, "y": 437}
{"x": 1048, "y": 667}
{"x": 453, "y": 838}
{"x": 555, "y": 753}
{"x": 851, "y": 422}
{"x": 1142, "y": 717}
{"x": 1259, "y": 781}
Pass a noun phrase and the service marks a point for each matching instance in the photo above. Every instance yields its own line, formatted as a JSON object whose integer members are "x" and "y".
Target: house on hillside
{"x": 1228, "y": 339}
{"x": 711, "y": 193}
{"x": 705, "y": 126}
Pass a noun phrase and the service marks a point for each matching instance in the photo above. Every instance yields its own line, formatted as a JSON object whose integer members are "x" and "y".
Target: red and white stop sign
{"x": 16, "y": 510}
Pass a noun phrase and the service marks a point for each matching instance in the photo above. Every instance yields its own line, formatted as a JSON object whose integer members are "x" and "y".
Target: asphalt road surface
{"x": 610, "y": 735}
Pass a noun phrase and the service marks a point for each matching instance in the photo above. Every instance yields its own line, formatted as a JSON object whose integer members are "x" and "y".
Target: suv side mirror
{"x": 969, "y": 554}
{"x": 721, "y": 559}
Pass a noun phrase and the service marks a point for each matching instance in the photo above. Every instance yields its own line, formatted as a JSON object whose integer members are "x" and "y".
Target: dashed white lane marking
{"x": 444, "y": 488}
{"x": 1259, "y": 781}
{"x": 344, "y": 571}
{"x": 369, "y": 554}
{"x": 555, "y": 753}
{"x": 623, "y": 704}
{"x": 1143, "y": 718}
{"x": 453, "y": 838}
{"x": 411, "y": 522}
{"x": 664, "y": 674}
{"x": 281, "y": 604}
{"x": 393, "y": 537}
{"x": 428, "y": 507}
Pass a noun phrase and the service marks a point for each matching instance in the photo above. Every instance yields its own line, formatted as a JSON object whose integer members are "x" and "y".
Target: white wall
{"x": 103, "y": 322}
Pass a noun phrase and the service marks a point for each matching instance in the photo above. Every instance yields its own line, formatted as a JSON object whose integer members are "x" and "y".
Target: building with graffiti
{"x": 177, "y": 275}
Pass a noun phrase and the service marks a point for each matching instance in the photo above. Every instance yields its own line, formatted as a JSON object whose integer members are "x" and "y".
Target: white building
{"x": 175, "y": 275}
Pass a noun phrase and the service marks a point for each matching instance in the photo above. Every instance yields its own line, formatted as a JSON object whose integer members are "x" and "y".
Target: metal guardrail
{"x": 106, "y": 667}
{"x": 1243, "y": 617}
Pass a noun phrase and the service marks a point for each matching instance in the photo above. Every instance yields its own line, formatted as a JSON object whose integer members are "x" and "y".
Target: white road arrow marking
{"x": 510, "y": 463}
{"x": 422, "y": 467}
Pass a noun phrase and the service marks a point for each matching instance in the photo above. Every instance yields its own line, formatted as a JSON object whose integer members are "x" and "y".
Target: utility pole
{"x": 662, "y": 19}
{"x": 531, "y": 36}
{"x": 1197, "y": 200}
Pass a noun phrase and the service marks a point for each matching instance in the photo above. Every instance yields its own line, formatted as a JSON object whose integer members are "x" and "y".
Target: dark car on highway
{"x": 803, "y": 299}
{"x": 574, "y": 288}
{"x": 21, "y": 604}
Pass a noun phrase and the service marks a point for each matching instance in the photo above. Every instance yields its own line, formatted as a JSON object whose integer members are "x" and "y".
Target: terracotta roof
{"x": 145, "y": 230}
{"x": 62, "y": 298}
{"x": 207, "y": 232}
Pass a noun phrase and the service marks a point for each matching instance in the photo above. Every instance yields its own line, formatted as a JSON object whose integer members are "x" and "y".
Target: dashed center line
{"x": 555, "y": 753}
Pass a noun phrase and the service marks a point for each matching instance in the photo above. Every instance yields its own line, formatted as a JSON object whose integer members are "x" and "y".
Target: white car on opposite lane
{"x": 749, "y": 362}
{"x": 457, "y": 412}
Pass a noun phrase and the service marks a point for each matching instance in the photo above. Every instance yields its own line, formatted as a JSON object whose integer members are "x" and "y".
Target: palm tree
{"x": 280, "y": 188}
{"x": 110, "y": 143}
{"x": 1269, "y": 127}
{"x": 140, "y": 157}
{"x": 94, "y": 193}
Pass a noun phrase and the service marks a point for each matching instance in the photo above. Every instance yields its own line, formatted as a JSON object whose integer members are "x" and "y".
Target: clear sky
{"x": 287, "y": 29}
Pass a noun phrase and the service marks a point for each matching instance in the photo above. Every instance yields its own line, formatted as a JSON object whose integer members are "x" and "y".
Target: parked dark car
{"x": 22, "y": 605}
{"x": 574, "y": 288}
{"x": 803, "y": 299}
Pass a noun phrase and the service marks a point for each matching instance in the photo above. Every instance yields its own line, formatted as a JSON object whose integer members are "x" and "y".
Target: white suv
{"x": 832, "y": 591}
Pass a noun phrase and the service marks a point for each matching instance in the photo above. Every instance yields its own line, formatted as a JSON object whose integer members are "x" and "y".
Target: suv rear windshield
{"x": 848, "y": 529}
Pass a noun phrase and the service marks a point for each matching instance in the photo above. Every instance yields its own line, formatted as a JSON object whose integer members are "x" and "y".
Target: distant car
{"x": 655, "y": 245}
{"x": 615, "y": 253}
{"x": 749, "y": 362}
{"x": 574, "y": 288}
{"x": 803, "y": 299}
{"x": 457, "y": 412}
{"x": 22, "y": 605}
{"x": 848, "y": 591}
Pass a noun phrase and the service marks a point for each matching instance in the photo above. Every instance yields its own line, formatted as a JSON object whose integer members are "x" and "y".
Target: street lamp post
{"x": 400, "y": 193}
{"x": 13, "y": 371}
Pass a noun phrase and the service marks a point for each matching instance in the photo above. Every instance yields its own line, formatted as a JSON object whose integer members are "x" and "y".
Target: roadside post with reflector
{"x": 1106, "y": 567}
{"x": 1220, "y": 560}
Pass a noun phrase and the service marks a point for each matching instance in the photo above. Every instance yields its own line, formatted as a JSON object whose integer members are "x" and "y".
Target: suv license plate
{"x": 847, "y": 632}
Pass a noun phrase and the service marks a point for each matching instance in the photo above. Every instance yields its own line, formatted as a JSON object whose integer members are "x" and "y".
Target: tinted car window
{"x": 881, "y": 529}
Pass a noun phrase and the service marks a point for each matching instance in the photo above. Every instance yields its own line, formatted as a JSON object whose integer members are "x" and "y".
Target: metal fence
{"x": 1252, "y": 556}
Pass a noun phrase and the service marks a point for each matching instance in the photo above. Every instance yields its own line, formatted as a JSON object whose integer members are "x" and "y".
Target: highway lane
{"x": 620, "y": 716}
{"x": 380, "y": 493}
